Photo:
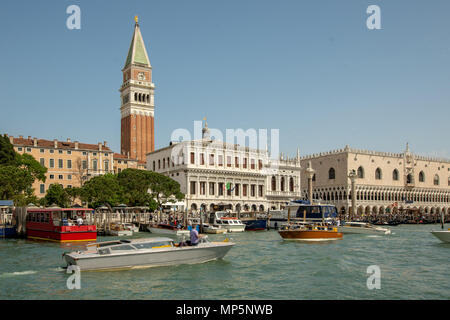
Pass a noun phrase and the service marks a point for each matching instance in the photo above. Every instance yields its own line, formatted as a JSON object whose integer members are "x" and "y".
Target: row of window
{"x": 59, "y": 151}
{"x": 381, "y": 196}
{"x": 69, "y": 164}
{"x": 42, "y": 187}
{"x": 226, "y": 188}
{"x": 395, "y": 176}
{"x": 283, "y": 184}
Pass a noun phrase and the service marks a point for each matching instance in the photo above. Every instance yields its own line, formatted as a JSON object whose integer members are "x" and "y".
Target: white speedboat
{"x": 443, "y": 235}
{"x": 213, "y": 229}
{"x": 118, "y": 229}
{"x": 131, "y": 226}
{"x": 143, "y": 253}
{"x": 230, "y": 224}
{"x": 166, "y": 229}
{"x": 362, "y": 228}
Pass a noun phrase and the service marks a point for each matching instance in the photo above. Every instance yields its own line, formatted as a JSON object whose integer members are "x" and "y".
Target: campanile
{"x": 137, "y": 101}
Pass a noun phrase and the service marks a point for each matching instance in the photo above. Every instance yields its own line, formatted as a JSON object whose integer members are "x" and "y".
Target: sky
{"x": 310, "y": 68}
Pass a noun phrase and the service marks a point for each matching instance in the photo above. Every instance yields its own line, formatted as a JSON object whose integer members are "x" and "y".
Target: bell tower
{"x": 137, "y": 101}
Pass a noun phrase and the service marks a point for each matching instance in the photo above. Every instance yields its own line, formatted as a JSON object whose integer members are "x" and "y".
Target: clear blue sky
{"x": 310, "y": 68}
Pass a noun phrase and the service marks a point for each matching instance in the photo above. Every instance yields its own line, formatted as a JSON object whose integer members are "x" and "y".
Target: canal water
{"x": 413, "y": 264}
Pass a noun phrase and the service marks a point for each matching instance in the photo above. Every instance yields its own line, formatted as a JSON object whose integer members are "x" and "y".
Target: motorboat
{"x": 131, "y": 226}
{"x": 213, "y": 229}
{"x": 167, "y": 229}
{"x": 253, "y": 222}
{"x": 443, "y": 235}
{"x": 362, "y": 228}
{"x": 143, "y": 253}
{"x": 230, "y": 224}
{"x": 310, "y": 232}
{"x": 119, "y": 230}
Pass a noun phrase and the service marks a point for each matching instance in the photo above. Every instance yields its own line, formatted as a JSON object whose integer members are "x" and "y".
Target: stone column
{"x": 352, "y": 176}
{"x": 310, "y": 173}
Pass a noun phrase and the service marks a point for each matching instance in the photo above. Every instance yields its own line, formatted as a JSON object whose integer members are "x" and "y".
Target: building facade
{"x": 385, "y": 182}
{"x": 68, "y": 163}
{"x": 137, "y": 101}
{"x": 213, "y": 173}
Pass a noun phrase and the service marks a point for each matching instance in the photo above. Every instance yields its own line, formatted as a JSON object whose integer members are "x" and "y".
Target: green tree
{"x": 57, "y": 195}
{"x": 7, "y": 154}
{"x": 73, "y": 194}
{"x": 101, "y": 190}
{"x": 163, "y": 189}
{"x": 17, "y": 174}
{"x": 135, "y": 184}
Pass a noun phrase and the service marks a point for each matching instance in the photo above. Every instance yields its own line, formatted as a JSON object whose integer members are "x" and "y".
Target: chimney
{"x": 11, "y": 139}
{"x": 35, "y": 141}
{"x": 29, "y": 137}
{"x": 68, "y": 140}
{"x": 76, "y": 145}
{"x": 104, "y": 143}
{"x": 20, "y": 137}
{"x": 55, "y": 142}
{"x": 99, "y": 146}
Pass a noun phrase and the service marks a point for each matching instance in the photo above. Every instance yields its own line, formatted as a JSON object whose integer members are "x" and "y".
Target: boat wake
{"x": 374, "y": 236}
{"x": 20, "y": 273}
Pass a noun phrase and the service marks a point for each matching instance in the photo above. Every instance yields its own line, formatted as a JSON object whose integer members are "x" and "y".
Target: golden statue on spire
{"x": 136, "y": 19}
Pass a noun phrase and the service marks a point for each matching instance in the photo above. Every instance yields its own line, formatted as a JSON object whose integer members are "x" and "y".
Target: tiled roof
{"x": 41, "y": 143}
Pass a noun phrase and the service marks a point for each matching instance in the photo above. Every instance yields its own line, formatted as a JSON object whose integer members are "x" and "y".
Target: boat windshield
{"x": 123, "y": 247}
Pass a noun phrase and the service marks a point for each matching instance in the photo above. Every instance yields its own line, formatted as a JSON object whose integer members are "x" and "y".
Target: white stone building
{"x": 386, "y": 182}
{"x": 216, "y": 174}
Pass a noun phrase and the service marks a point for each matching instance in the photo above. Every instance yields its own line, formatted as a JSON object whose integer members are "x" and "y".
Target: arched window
{"x": 409, "y": 178}
{"x": 378, "y": 174}
{"x": 421, "y": 176}
{"x": 436, "y": 180}
{"x": 361, "y": 173}
{"x": 314, "y": 177}
{"x": 135, "y": 96}
{"x": 282, "y": 183}
{"x": 274, "y": 184}
{"x": 395, "y": 175}
{"x": 449, "y": 181}
{"x": 291, "y": 184}
{"x": 331, "y": 174}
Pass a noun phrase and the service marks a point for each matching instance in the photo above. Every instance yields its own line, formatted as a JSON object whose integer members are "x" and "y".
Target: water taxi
{"x": 213, "y": 229}
{"x": 310, "y": 232}
{"x": 119, "y": 230}
{"x": 253, "y": 222}
{"x": 61, "y": 224}
{"x": 362, "y": 228}
{"x": 230, "y": 224}
{"x": 297, "y": 210}
{"x": 143, "y": 253}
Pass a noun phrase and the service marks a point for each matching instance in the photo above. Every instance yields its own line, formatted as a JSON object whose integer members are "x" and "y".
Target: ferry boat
{"x": 310, "y": 232}
{"x": 362, "y": 228}
{"x": 143, "y": 253}
{"x": 221, "y": 220}
{"x": 61, "y": 224}
{"x": 300, "y": 210}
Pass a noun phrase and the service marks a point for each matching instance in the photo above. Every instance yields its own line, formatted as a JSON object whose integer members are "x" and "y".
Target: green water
{"x": 413, "y": 263}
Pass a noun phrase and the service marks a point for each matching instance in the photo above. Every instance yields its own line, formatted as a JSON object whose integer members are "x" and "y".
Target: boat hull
{"x": 164, "y": 231}
{"x": 310, "y": 235}
{"x": 62, "y": 236}
{"x": 255, "y": 224}
{"x": 360, "y": 230}
{"x": 8, "y": 232}
{"x": 444, "y": 236}
{"x": 155, "y": 258}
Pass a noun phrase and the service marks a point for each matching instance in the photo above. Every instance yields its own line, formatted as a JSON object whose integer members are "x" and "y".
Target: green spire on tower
{"x": 137, "y": 54}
